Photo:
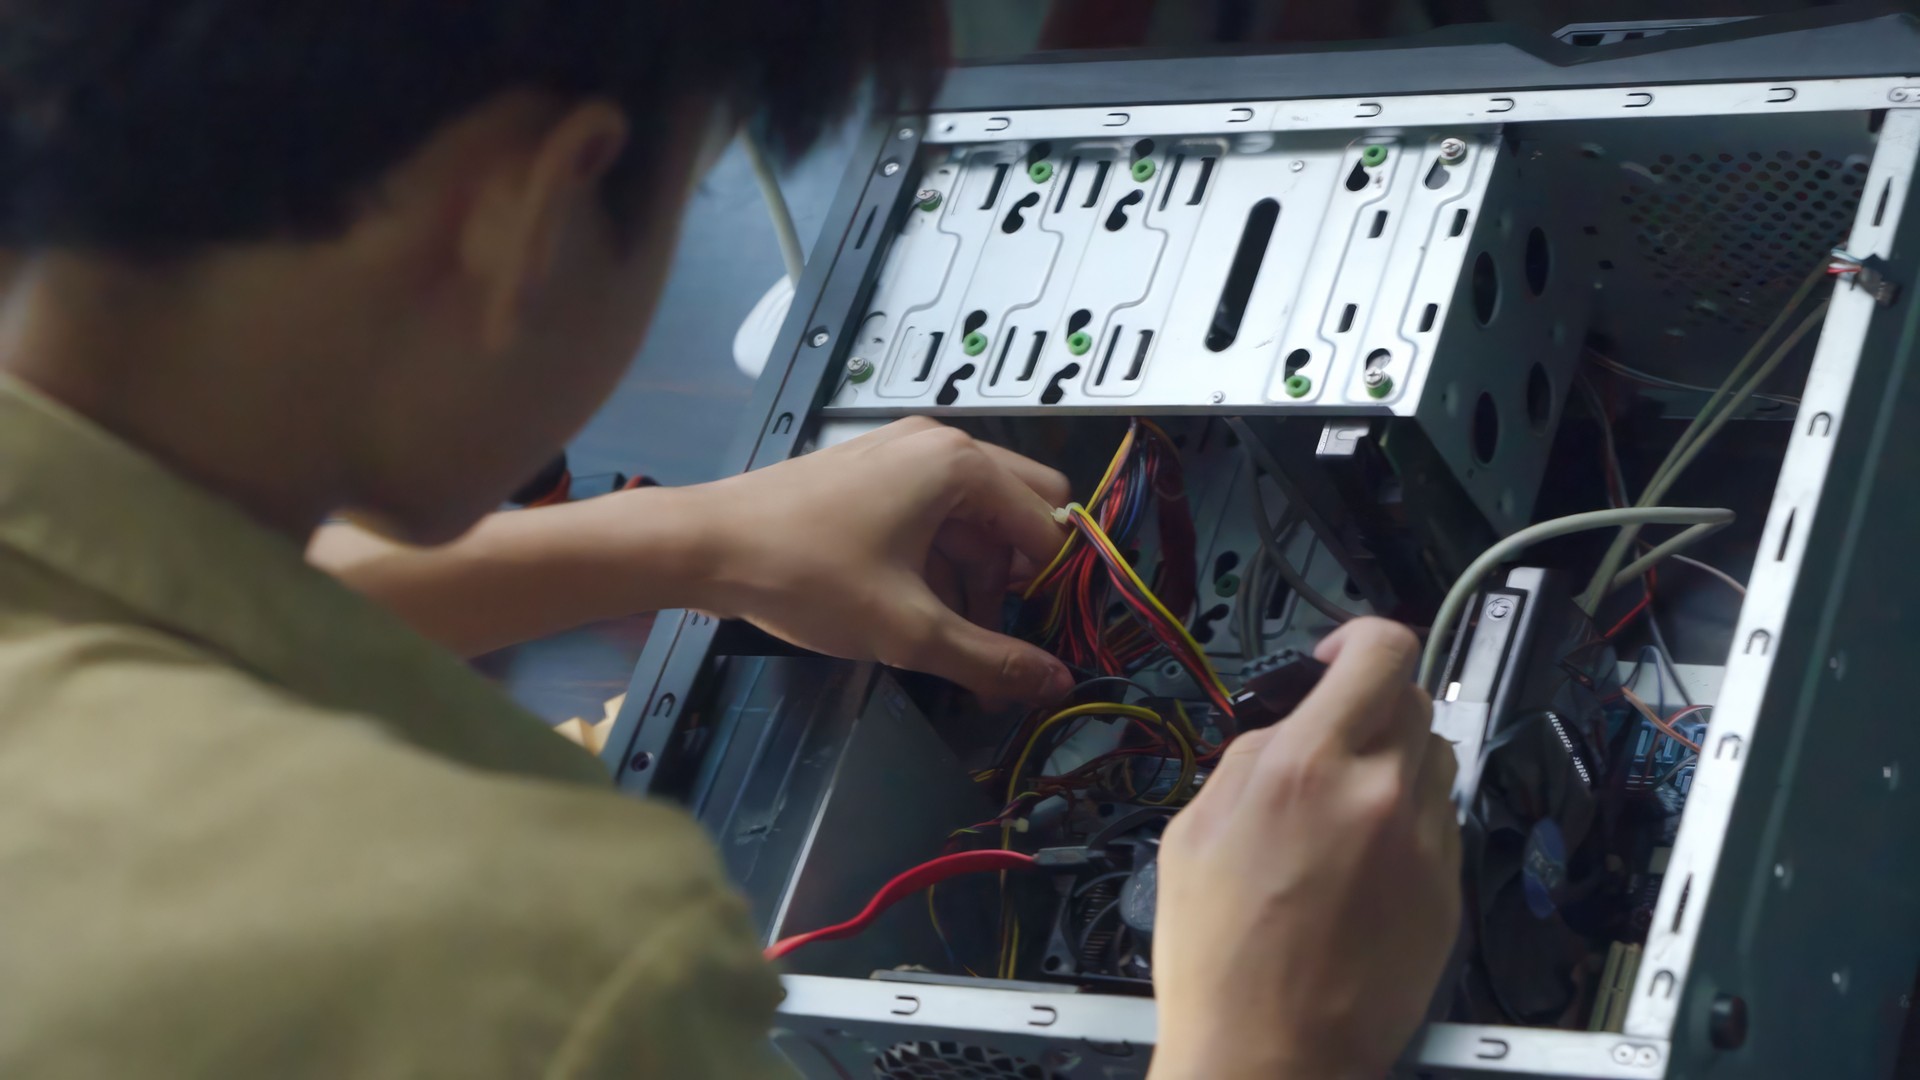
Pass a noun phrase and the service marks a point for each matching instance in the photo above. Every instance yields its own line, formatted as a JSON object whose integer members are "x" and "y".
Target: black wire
{"x": 1259, "y": 457}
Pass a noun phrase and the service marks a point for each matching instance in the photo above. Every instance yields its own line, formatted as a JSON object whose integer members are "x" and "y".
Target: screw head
{"x": 927, "y": 199}
{"x": 890, "y": 168}
{"x": 1452, "y": 150}
{"x": 1499, "y": 607}
{"x": 1296, "y": 165}
{"x": 1217, "y": 396}
{"x": 859, "y": 369}
{"x": 819, "y": 339}
{"x": 903, "y": 134}
{"x": 1378, "y": 383}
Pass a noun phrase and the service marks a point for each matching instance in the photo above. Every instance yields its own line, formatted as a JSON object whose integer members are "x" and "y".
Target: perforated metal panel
{"x": 1730, "y": 233}
{"x": 955, "y": 1061}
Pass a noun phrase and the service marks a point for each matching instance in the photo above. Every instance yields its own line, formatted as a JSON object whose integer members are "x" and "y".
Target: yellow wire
{"x": 1100, "y": 537}
{"x": 1100, "y": 489}
{"x": 1097, "y": 708}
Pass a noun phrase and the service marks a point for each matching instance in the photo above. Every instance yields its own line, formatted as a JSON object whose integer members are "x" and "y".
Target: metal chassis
{"x": 1817, "y": 639}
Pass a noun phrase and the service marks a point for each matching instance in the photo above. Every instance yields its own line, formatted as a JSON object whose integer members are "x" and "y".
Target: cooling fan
{"x": 1534, "y": 825}
{"x": 1103, "y": 929}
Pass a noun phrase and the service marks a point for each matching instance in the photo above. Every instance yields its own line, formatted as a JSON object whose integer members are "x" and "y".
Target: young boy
{"x": 268, "y": 262}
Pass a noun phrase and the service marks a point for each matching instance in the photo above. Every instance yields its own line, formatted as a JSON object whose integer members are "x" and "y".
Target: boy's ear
{"x": 513, "y": 235}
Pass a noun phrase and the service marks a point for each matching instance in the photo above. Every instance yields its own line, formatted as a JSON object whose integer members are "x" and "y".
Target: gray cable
{"x": 1258, "y": 457}
{"x": 1666, "y": 656}
{"x": 1679, "y": 542}
{"x": 1713, "y": 417}
{"x": 791, "y": 253}
{"x": 1463, "y": 589}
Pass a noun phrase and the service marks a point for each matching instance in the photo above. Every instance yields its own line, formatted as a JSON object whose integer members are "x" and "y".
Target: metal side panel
{"x": 1837, "y": 43}
{"x": 1805, "y": 889}
{"x": 653, "y": 743}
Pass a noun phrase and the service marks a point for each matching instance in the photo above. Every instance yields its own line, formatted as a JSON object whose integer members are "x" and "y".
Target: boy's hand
{"x": 1310, "y": 894}
{"x": 897, "y": 546}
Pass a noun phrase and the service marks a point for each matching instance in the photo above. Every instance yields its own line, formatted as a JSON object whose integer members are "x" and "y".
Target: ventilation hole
{"x": 1099, "y": 181}
{"x": 1357, "y": 179}
{"x": 1203, "y": 626}
{"x": 1539, "y": 399}
{"x": 1486, "y": 429}
{"x": 933, "y": 351}
{"x": 1296, "y": 360}
{"x": 975, "y": 320}
{"x": 1351, "y": 589}
{"x": 1033, "y": 354}
{"x": 1200, "y": 185}
{"x": 1378, "y": 359}
{"x": 1880, "y": 208}
{"x": 1140, "y": 355}
{"x": 951, "y": 391}
{"x": 1056, "y": 386}
{"x": 1277, "y": 602}
{"x": 1379, "y": 225}
{"x": 865, "y": 228}
{"x": 1015, "y": 219}
{"x": 1459, "y": 222}
{"x": 1117, "y": 218}
{"x": 1786, "y": 537}
{"x": 1078, "y": 321}
{"x": 1538, "y": 261}
{"x": 1143, "y": 148}
{"x": 1040, "y": 152}
{"x": 1346, "y": 317}
{"x": 1606, "y": 264}
{"x": 1486, "y": 288}
{"x": 1437, "y": 177}
{"x": 1000, "y": 363}
{"x": 1066, "y": 184}
{"x": 1173, "y": 175}
{"x": 1427, "y": 315}
{"x": 993, "y": 191}
{"x": 1224, "y": 564}
{"x": 1241, "y": 273}
{"x": 1680, "y": 908}
{"x": 1106, "y": 358}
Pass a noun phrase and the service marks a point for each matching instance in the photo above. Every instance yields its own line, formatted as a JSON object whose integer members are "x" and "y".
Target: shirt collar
{"x": 110, "y": 518}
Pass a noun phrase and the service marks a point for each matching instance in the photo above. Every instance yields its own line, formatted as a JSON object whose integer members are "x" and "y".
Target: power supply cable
{"x": 1260, "y": 458}
{"x": 1463, "y": 589}
{"x": 791, "y": 252}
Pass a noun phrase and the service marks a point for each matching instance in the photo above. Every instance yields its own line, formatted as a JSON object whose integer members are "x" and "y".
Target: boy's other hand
{"x": 1310, "y": 893}
{"x": 898, "y": 546}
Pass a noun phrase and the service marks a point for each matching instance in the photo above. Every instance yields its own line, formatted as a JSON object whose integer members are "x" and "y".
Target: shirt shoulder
{"x": 208, "y": 875}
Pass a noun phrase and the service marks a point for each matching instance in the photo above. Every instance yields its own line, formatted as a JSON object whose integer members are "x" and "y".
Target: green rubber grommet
{"x": 1298, "y": 385}
{"x": 1143, "y": 169}
{"x": 1373, "y": 155}
{"x": 974, "y": 344}
{"x": 1227, "y": 585}
{"x": 1078, "y": 343}
{"x": 931, "y": 202}
{"x": 1040, "y": 171}
{"x": 1382, "y": 388}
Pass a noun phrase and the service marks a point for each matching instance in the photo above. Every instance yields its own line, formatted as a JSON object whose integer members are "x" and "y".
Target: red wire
{"x": 931, "y": 872}
{"x": 1646, "y": 600}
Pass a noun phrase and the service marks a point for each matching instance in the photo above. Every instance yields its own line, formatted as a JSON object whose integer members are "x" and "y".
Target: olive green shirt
{"x": 255, "y": 827}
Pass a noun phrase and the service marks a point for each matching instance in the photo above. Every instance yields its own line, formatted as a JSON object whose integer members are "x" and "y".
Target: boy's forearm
{"x": 525, "y": 574}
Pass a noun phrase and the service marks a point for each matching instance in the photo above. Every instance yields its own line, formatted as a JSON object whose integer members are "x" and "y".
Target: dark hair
{"x": 155, "y": 127}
